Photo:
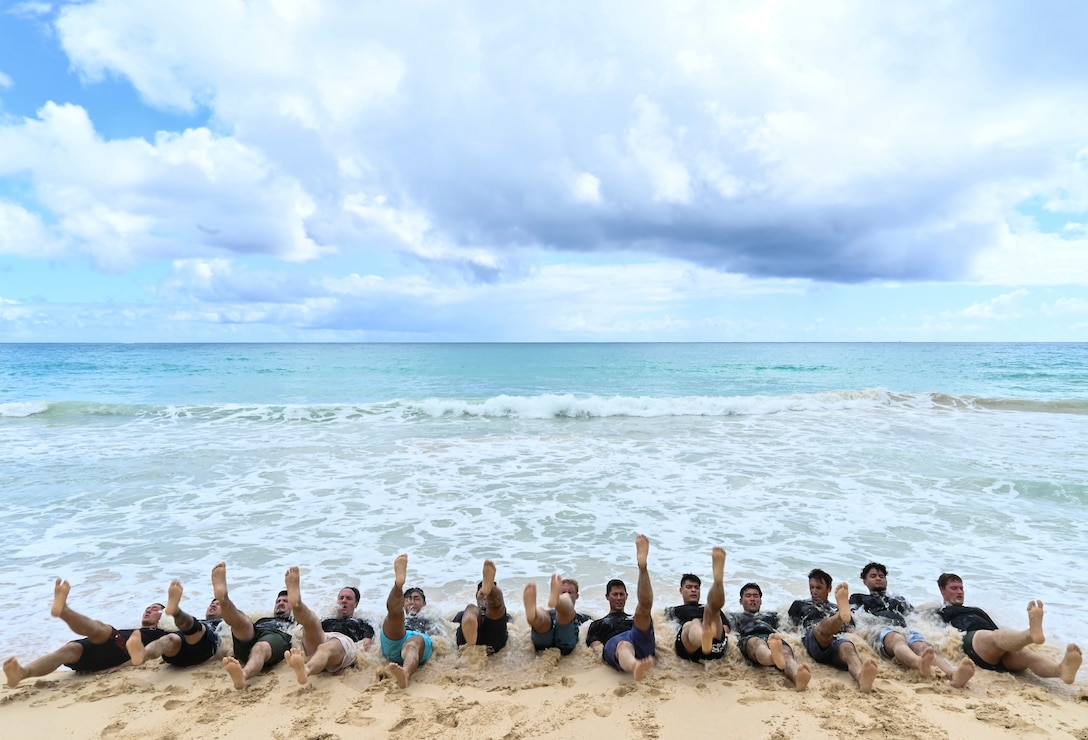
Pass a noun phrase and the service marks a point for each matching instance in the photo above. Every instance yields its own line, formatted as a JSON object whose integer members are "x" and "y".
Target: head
{"x": 346, "y": 601}
{"x": 414, "y": 600}
{"x": 951, "y": 586}
{"x": 819, "y": 585}
{"x": 875, "y": 578}
{"x": 570, "y": 588}
{"x": 152, "y": 615}
{"x": 751, "y": 597}
{"x": 616, "y": 593}
{"x": 691, "y": 588}
{"x": 283, "y": 606}
{"x": 214, "y": 611}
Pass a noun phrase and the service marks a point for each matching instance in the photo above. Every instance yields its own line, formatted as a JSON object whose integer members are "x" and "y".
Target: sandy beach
{"x": 521, "y": 694}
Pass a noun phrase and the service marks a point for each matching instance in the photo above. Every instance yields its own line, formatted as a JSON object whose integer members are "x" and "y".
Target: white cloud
{"x": 5, "y": 81}
{"x": 126, "y": 200}
{"x": 1066, "y": 306}
{"x": 1004, "y": 306}
{"x": 586, "y": 188}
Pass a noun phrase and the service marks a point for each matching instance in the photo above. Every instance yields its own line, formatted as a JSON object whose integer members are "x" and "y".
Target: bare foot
{"x": 291, "y": 580}
{"x": 804, "y": 675}
{"x": 489, "y": 578}
{"x": 1071, "y": 663}
{"x": 297, "y": 661}
{"x": 642, "y": 666}
{"x": 964, "y": 671}
{"x": 234, "y": 670}
{"x": 717, "y": 559}
{"x": 135, "y": 647}
{"x": 400, "y": 570}
{"x": 173, "y": 597}
{"x": 219, "y": 582}
{"x": 642, "y": 550}
{"x": 14, "y": 672}
{"x": 60, "y": 597}
{"x": 1035, "y": 622}
{"x": 925, "y": 662}
{"x": 774, "y": 642}
{"x": 842, "y": 600}
{"x": 398, "y": 673}
{"x": 869, "y": 669}
{"x": 556, "y": 588}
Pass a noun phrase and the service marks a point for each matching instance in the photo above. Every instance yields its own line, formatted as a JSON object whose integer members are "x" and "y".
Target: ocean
{"x": 124, "y": 466}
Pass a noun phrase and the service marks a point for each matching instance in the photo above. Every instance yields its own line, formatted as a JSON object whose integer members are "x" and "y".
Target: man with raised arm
{"x": 101, "y": 648}
{"x": 403, "y": 642}
{"x": 888, "y": 634}
{"x": 759, "y": 640}
{"x": 194, "y": 642}
{"x": 485, "y": 622}
{"x": 616, "y": 621}
{"x": 322, "y": 649}
{"x": 823, "y": 622}
{"x": 633, "y": 651}
{"x": 702, "y": 632}
{"x": 1003, "y": 650}
{"x": 557, "y": 626}
{"x": 257, "y": 645}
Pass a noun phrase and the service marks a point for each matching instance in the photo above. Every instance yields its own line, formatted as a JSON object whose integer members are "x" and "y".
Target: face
{"x": 875, "y": 581}
{"x": 818, "y": 590}
{"x": 751, "y": 601}
{"x": 283, "y": 607}
{"x": 346, "y": 603}
{"x": 953, "y": 592}
{"x": 617, "y": 598}
{"x": 691, "y": 591}
{"x": 214, "y": 611}
{"x": 413, "y": 602}
{"x": 152, "y": 615}
{"x": 570, "y": 590}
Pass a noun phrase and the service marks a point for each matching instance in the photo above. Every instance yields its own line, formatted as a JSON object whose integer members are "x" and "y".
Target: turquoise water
{"x": 127, "y": 465}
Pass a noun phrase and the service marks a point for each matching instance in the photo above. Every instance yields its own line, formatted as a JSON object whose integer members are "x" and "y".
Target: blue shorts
{"x": 562, "y": 636}
{"x": 391, "y": 648}
{"x": 827, "y": 655}
{"x": 877, "y": 639}
{"x": 643, "y": 642}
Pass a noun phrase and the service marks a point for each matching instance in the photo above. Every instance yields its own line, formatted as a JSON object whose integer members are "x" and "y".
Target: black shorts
{"x": 195, "y": 654}
{"x": 492, "y": 633}
{"x": 742, "y": 645}
{"x": 717, "y": 652}
{"x": 827, "y": 655}
{"x": 100, "y": 656}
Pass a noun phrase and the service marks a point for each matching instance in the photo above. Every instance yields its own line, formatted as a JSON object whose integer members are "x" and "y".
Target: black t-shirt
{"x": 283, "y": 624}
{"x": 890, "y": 608}
{"x": 457, "y": 617}
{"x": 760, "y": 623}
{"x": 425, "y": 625}
{"x": 687, "y": 612}
{"x": 966, "y": 618}
{"x": 605, "y": 628}
{"x": 804, "y": 613}
{"x": 355, "y": 628}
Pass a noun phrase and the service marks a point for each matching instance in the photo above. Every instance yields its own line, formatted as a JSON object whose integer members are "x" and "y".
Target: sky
{"x": 337, "y": 170}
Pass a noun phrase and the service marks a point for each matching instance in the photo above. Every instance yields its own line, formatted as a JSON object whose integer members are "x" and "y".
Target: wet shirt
{"x": 605, "y": 628}
{"x": 283, "y": 624}
{"x": 425, "y": 625}
{"x": 966, "y": 618}
{"x": 804, "y": 613}
{"x": 892, "y": 609}
{"x": 354, "y": 627}
{"x": 760, "y": 623}
{"x": 687, "y": 612}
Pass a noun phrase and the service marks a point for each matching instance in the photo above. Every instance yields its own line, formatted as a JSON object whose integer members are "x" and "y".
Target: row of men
{"x": 626, "y": 642}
